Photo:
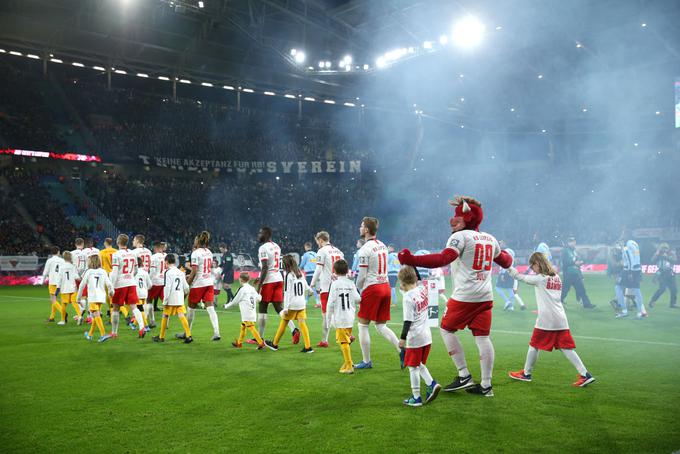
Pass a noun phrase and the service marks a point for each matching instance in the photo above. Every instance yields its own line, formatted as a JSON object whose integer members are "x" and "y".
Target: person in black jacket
{"x": 665, "y": 261}
{"x": 227, "y": 265}
{"x": 571, "y": 270}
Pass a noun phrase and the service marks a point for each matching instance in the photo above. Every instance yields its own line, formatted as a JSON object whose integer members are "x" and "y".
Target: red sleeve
{"x": 503, "y": 260}
{"x": 431, "y": 260}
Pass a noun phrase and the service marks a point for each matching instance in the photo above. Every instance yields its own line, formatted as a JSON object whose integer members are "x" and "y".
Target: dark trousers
{"x": 576, "y": 281}
{"x": 666, "y": 281}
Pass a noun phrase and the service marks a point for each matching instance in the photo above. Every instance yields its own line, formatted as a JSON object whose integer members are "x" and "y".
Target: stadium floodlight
{"x": 512, "y": 109}
{"x": 300, "y": 57}
{"x": 206, "y": 84}
{"x": 293, "y": 52}
{"x": 499, "y": 27}
{"x": 3, "y": 51}
{"x": 309, "y": 98}
{"x": 348, "y": 67}
{"x": 579, "y": 45}
{"x": 78, "y": 64}
{"x": 228, "y": 87}
{"x": 443, "y": 40}
{"x": 427, "y": 45}
{"x": 201, "y": 4}
{"x": 270, "y": 93}
{"x": 643, "y": 25}
{"x": 33, "y": 56}
{"x": 349, "y": 104}
{"x": 142, "y": 75}
{"x": 635, "y": 144}
{"x": 462, "y": 99}
{"x": 120, "y": 71}
{"x": 658, "y": 112}
{"x": 329, "y": 101}
{"x": 584, "y": 110}
{"x": 327, "y": 64}
{"x": 380, "y": 62}
{"x": 249, "y": 90}
{"x": 14, "y": 52}
{"x": 99, "y": 68}
{"x": 289, "y": 96}
{"x": 543, "y": 131}
{"x": 347, "y": 59}
{"x": 366, "y": 67}
{"x": 184, "y": 81}
{"x": 468, "y": 32}
{"x": 56, "y": 60}
{"x": 322, "y": 64}
{"x": 163, "y": 78}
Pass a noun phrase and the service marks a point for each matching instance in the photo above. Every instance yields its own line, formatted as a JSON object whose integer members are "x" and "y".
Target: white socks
{"x": 365, "y": 342}
{"x": 455, "y": 349}
{"x": 486, "y": 357}
{"x": 324, "y": 328}
{"x": 532, "y": 356}
{"x": 115, "y": 319}
{"x": 415, "y": 381}
{"x": 261, "y": 322}
{"x": 148, "y": 310}
{"x": 138, "y": 317}
{"x": 388, "y": 334}
{"x": 291, "y": 326}
{"x": 415, "y": 373}
{"x": 191, "y": 313}
{"x": 574, "y": 359}
{"x": 519, "y": 299}
{"x": 213, "y": 320}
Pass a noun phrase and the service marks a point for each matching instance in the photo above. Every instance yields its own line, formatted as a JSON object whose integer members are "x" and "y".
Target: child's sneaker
{"x": 296, "y": 336}
{"x": 363, "y": 365}
{"x": 104, "y": 338}
{"x": 180, "y": 336}
{"x": 414, "y": 402}
{"x": 61, "y": 323}
{"x": 322, "y": 344}
{"x": 431, "y": 391}
{"x": 261, "y": 346}
{"x": 307, "y": 350}
{"x": 270, "y": 345}
{"x": 87, "y": 336}
{"x": 188, "y": 340}
{"x": 346, "y": 370}
{"x": 158, "y": 339}
{"x": 236, "y": 344}
{"x": 520, "y": 375}
{"x": 583, "y": 380}
{"x": 251, "y": 341}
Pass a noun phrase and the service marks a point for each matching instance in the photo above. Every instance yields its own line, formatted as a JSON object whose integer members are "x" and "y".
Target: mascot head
{"x": 468, "y": 213}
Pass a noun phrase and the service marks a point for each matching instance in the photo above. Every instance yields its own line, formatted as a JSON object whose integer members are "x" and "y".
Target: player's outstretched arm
{"x": 504, "y": 260}
{"x": 443, "y": 258}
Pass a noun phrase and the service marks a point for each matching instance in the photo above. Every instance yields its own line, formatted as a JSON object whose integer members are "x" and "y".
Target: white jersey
{"x": 295, "y": 292}
{"x": 437, "y": 275}
{"x": 372, "y": 264}
{"x": 123, "y": 269}
{"x": 202, "y": 258}
{"x": 551, "y": 315}
{"x": 471, "y": 271}
{"x": 323, "y": 273}
{"x": 145, "y": 254}
{"x": 175, "y": 287}
{"x": 90, "y": 251}
{"x": 415, "y": 311}
{"x": 143, "y": 284}
{"x": 247, "y": 299}
{"x": 51, "y": 270}
{"x": 79, "y": 259}
{"x": 342, "y": 302}
{"x": 157, "y": 268}
{"x": 97, "y": 282}
{"x": 67, "y": 278}
{"x": 217, "y": 277}
{"x": 270, "y": 253}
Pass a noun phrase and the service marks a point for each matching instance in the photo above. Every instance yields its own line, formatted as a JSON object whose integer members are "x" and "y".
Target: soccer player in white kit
{"x": 202, "y": 284}
{"x": 375, "y": 291}
{"x": 143, "y": 281}
{"x": 552, "y": 329}
{"x": 79, "y": 258}
{"x": 157, "y": 273}
{"x": 142, "y": 252}
{"x": 124, "y": 267}
{"x": 174, "y": 291}
{"x": 51, "y": 273}
{"x": 471, "y": 254}
{"x": 323, "y": 276}
{"x": 271, "y": 283}
{"x": 97, "y": 280}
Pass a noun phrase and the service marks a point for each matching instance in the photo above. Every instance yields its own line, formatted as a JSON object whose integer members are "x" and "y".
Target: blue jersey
{"x": 424, "y": 272}
{"x": 355, "y": 262}
{"x": 543, "y": 247}
{"x": 393, "y": 264}
{"x": 631, "y": 256}
{"x": 308, "y": 262}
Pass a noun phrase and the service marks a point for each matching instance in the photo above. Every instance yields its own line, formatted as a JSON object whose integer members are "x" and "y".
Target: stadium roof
{"x": 533, "y": 50}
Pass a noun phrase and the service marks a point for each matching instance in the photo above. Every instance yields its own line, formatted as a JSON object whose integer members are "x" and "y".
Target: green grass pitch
{"x": 61, "y": 393}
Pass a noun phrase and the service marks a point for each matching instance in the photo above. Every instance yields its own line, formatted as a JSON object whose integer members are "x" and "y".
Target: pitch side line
{"x": 522, "y": 333}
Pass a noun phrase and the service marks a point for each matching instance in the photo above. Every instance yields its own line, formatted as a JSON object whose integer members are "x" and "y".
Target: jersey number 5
{"x": 483, "y": 257}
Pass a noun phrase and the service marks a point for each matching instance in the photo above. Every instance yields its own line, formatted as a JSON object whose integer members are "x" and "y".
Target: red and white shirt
{"x": 124, "y": 268}
{"x": 323, "y": 273}
{"x": 79, "y": 259}
{"x": 90, "y": 251}
{"x": 145, "y": 254}
{"x": 415, "y": 311}
{"x": 202, "y": 258}
{"x": 551, "y": 315}
{"x": 270, "y": 258}
{"x": 372, "y": 264}
{"x": 471, "y": 271}
{"x": 157, "y": 268}
{"x": 143, "y": 283}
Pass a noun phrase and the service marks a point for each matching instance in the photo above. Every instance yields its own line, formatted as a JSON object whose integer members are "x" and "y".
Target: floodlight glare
{"x": 443, "y": 40}
{"x": 380, "y": 62}
{"x": 321, "y": 64}
{"x": 468, "y": 32}
{"x": 300, "y": 57}
{"x": 427, "y": 45}
{"x": 347, "y": 59}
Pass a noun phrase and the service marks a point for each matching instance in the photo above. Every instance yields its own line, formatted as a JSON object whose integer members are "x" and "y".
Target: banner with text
{"x": 18, "y": 263}
{"x": 252, "y": 167}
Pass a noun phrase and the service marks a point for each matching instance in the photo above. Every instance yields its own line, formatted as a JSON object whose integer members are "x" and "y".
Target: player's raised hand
{"x": 405, "y": 257}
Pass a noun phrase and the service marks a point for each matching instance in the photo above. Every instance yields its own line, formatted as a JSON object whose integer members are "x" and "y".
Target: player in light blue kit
{"x": 507, "y": 286}
{"x": 308, "y": 265}
{"x": 392, "y": 271}
{"x": 630, "y": 278}
{"x": 424, "y": 272}
{"x": 355, "y": 260}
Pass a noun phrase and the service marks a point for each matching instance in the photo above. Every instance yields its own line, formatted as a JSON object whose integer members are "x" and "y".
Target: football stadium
{"x": 339, "y": 226}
